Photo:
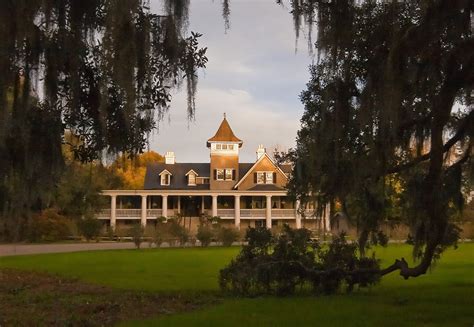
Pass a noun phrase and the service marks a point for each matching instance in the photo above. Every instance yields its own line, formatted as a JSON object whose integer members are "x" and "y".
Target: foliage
{"x": 132, "y": 170}
{"x": 102, "y": 70}
{"x": 89, "y": 227}
{"x": 48, "y": 226}
{"x": 227, "y": 235}
{"x": 382, "y": 132}
{"x": 204, "y": 234}
{"x": 178, "y": 231}
{"x": 279, "y": 264}
{"x": 137, "y": 232}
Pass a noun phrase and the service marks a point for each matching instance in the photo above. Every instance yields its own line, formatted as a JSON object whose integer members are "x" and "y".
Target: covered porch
{"x": 146, "y": 206}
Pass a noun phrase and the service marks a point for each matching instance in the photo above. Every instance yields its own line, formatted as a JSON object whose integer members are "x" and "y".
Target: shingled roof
{"x": 224, "y": 134}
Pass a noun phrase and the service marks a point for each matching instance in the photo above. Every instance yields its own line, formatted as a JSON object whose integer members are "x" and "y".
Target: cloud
{"x": 253, "y": 121}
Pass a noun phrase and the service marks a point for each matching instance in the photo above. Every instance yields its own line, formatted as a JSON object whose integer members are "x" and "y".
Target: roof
{"x": 179, "y": 181}
{"x": 265, "y": 187}
{"x": 224, "y": 134}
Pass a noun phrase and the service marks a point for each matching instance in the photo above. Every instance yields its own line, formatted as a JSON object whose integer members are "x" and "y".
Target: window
{"x": 220, "y": 174}
{"x": 228, "y": 174}
{"x": 260, "y": 177}
{"x": 265, "y": 177}
{"x": 269, "y": 177}
{"x": 191, "y": 179}
{"x": 218, "y": 146}
{"x": 165, "y": 179}
{"x": 230, "y": 147}
{"x": 224, "y": 146}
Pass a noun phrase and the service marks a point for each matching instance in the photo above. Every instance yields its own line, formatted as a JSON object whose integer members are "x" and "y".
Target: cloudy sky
{"x": 254, "y": 75}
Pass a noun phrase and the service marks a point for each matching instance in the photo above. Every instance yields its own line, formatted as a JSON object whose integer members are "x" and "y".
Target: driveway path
{"x": 23, "y": 249}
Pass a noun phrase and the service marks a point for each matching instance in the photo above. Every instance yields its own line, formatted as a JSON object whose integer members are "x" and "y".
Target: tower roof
{"x": 224, "y": 134}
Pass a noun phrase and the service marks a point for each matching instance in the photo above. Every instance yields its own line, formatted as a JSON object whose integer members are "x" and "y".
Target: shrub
{"x": 48, "y": 226}
{"x": 178, "y": 231}
{"x": 204, "y": 235}
{"x": 137, "y": 232}
{"x": 227, "y": 235}
{"x": 89, "y": 227}
{"x": 279, "y": 264}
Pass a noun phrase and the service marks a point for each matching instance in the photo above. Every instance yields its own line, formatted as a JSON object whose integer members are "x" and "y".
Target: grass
{"x": 444, "y": 297}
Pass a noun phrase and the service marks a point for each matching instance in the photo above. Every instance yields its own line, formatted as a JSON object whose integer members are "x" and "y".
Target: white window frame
{"x": 217, "y": 174}
{"x": 165, "y": 179}
{"x": 261, "y": 177}
{"x": 193, "y": 176}
{"x": 267, "y": 179}
{"x": 228, "y": 171}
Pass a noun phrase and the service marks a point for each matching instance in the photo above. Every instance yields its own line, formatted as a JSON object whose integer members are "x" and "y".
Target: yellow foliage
{"x": 132, "y": 171}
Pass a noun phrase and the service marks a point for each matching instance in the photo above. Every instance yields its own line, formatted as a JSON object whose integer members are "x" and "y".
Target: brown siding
{"x": 264, "y": 165}
{"x": 223, "y": 162}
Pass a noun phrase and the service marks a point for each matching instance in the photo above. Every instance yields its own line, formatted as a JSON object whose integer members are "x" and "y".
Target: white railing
{"x": 283, "y": 213}
{"x": 153, "y": 213}
{"x": 252, "y": 213}
{"x": 226, "y": 213}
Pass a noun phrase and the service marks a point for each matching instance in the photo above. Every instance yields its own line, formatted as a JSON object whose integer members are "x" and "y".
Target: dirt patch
{"x": 39, "y": 299}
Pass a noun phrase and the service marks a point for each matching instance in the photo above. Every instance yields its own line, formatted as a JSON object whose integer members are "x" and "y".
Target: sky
{"x": 254, "y": 75}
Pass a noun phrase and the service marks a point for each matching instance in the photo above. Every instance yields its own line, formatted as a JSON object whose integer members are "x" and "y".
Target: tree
{"x": 381, "y": 105}
{"x": 132, "y": 170}
{"x": 101, "y": 69}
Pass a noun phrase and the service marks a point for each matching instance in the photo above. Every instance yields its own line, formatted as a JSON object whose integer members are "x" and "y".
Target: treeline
{"x": 77, "y": 196}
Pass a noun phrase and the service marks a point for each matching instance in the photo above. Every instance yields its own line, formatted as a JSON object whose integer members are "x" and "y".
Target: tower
{"x": 224, "y": 151}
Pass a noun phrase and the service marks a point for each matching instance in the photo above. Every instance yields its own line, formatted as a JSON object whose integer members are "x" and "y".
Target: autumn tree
{"x": 132, "y": 170}
{"x": 390, "y": 97}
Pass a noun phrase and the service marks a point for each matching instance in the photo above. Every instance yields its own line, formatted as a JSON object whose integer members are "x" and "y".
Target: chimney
{"x": 170, "y": 158}
{"x": 260, "y": 151}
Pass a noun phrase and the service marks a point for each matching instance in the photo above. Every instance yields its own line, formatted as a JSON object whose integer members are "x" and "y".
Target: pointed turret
{"x": 224, "y": 134}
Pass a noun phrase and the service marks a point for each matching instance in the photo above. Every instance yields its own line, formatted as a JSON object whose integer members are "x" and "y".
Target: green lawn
{"x": 444, "y": 297}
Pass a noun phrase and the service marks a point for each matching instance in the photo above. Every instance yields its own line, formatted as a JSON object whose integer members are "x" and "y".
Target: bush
{"x": 89, "y": 227}
{"x": 204, "y": 235}
{"x": 280, "y": 264}
{"x": 48, "y": 226}
{"x": 178, "y": 231}
{"x": 227, "y": 235}
{"x": 137, "y": 232}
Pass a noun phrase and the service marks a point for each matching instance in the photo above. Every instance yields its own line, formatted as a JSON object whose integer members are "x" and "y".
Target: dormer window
{"x": 192, "y": 176}
{"x": 165, "y": 178}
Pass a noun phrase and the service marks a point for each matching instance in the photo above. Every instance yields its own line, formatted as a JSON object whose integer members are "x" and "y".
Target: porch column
{"x": 202, "y": 204}
{"x": 237, "y": 211}
{"x": 214, "y": 205}
{"x": 143, "y": 212}
{"x": 113, "y": 207}
{"x": 326, "y": 217}
{"x": 268, "y": 214}
{"x": 179, "y": 204}
{"x": 164, "y": 206}
{"x": 297, "y": 214}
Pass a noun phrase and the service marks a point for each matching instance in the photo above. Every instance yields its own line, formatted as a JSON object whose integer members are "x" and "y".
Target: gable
{"x": 264, "y": 164}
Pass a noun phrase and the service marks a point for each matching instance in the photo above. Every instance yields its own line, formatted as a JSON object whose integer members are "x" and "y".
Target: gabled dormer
{"x": 192, "y": 177}
{"x": 165, "y": 177}
{"x": 263, "y": 175}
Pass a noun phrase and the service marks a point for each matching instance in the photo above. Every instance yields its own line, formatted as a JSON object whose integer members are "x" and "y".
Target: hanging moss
{"x": 381, "y": 106}
{"x": 102, "y": 70}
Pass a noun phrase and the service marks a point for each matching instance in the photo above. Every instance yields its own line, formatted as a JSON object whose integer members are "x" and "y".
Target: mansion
{"x": 241, "y": 194}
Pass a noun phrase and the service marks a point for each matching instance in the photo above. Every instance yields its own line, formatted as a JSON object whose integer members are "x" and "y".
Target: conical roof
{"x": 224, "y": 134}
